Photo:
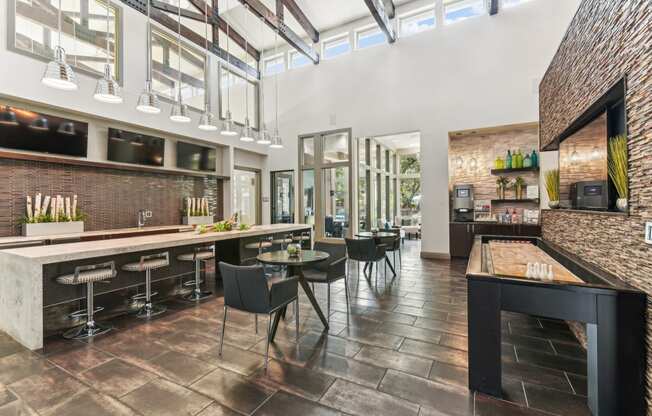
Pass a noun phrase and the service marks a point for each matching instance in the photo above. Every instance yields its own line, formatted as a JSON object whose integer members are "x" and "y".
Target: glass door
{"x": 246, "y": 195}
{"x": 283, "y": 197}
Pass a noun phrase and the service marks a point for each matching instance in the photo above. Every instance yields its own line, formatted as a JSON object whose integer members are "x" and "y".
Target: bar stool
{"x": 88, "y": 275}
{"x": 262, "y": 244}
{"x": 304, "y": 236}
{"x": 284, "y": 241}
{"x": 199, "y": 254}
{"x": 147, "y": 264}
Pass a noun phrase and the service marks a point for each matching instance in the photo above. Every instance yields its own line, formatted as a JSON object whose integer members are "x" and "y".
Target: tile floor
{"x": 402, "y": 352}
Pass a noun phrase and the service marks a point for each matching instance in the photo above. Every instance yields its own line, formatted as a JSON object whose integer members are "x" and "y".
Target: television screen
{"x": 194, "y": 157}
{"x": 135, "y": 148}
{"x": 26, "y": 130}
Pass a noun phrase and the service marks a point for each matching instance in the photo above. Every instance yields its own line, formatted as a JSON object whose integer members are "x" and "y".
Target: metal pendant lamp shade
{"x": 277, "y": 142}
{"x": 58, "y": 74}
{"x": 264, "y": 137}
{"x": 247, "y": 132}
{"x": 148, "y": 101}
{"x": 107, "y": 89}
{"x": 206, "y": 122}
{"x": 228, "y": 128}
{"x": 179, "y": 113}
{"x": 67, "y": 128}
{"x": 8, "y": 117}
{"x": 40, "y": 124}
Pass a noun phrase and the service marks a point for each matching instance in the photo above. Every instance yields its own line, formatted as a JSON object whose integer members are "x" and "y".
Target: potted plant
{"x": 51, "y": 216}
{"x": 519, "y": 184}
{"x": 618, "y": 169}
{"x": 501, "y": 184}
{"x": 552, "y": 187}
{"x": 196, "y": 212}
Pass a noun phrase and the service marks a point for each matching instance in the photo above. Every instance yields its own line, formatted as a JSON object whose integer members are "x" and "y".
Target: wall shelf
{"x": 514, "y": 170}
{"x": 526, "y": 200}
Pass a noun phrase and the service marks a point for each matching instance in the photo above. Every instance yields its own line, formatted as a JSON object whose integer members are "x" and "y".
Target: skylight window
{"x": 458, "y": 10}
{"x": 336, "y": 46}
{"x": 297, "y": 60}
{"x": 372, "y": 36}
{"x": 512, "y": 3}
{"x": 274, "y": 65}
{"x": 417, "y": 22}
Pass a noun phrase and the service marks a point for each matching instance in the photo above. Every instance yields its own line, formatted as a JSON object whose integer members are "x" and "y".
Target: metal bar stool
{"x": 197, "y": 256}
{"x": 284, "y": 241}
{"x": 88, "y": 275}
{"x": 304, "y": 236}
{"x": 147, "y": 264}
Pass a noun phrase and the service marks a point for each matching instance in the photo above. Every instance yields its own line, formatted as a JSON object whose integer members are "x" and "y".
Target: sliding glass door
{"x": 325, "y": 160}
{"x": 283, "y": 197}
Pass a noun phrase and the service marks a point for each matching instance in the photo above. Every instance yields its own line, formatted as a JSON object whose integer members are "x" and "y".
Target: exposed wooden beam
{"x": 378, "y": 11}
{"x": 284, "y": 31}
{"x": 390, "y": 8}
{"x": 280, "y": 10}
{"x": 298, "y": 14}
{"x": 493, "y": 7}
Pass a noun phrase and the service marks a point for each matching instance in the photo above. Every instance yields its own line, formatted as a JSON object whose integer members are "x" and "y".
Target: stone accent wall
{"x": 110, "y": 198}
{"x": 607, "y": 40}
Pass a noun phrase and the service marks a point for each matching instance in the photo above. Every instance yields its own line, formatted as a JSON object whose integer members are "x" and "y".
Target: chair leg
{"x": 328, "y": 303}
{"x": 256, "y": 322}
{"x": 223, "y": 330}
{"x": 346, "y": 293}
{"x": 269, "y": 330}
{"x": 296, "y": 317}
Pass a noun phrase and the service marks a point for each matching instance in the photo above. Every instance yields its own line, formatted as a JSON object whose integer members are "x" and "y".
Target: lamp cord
{"x": 179, "y": 46}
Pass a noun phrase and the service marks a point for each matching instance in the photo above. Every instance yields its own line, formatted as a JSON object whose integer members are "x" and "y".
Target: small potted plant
{"x": 501, "y": 184}
{"x": 618, "y": 169}
{"x": 294, "y": 250}
{"x": 552, "y": 187}
{"x": 52, "y": 215}
{"x": 196, "y": 212}
{"x": 519, "y": 184}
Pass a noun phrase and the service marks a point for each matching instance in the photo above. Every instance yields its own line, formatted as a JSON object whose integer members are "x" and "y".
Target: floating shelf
{"x": 532, "y": 200}
{"x": 502, "y": 171}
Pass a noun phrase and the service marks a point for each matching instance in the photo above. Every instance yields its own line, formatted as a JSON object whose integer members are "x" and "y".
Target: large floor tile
{"x": 396, "y": 360}
{"x": 435, "y": 352}
{"x": 160, "y": 397}
{"x": 348, "y": 369}
{"x": 301, "y": 381}
{"x": 285, "y": 404}
{"x": 357, "y": 400}
{"x": 57, "y": 383}
{"x": 116, "y": 377}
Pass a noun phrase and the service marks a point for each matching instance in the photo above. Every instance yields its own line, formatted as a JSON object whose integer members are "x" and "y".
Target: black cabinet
{"x": 460, "y": 239}
{"x": 461, "y": 234}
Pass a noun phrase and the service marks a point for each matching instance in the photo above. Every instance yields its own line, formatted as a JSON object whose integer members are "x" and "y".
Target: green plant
{"x": 243, "y": 227}
{"x": 45, "y": 218}
{"x": 618, "y": 164}
{"x": 552, "y": 184}
{"x": 502, "y": 181}
{"x": 519, "y": 182}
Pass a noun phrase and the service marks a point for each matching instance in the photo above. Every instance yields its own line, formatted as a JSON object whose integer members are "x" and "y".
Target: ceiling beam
{"x": 298, "y": 14}
{"x": 280, "y": 10}
{"x": 390, "y": 8}
{"x": 493, "y": 7}
{"x": 378, "y": 11}
{"x": 287, "y": 34}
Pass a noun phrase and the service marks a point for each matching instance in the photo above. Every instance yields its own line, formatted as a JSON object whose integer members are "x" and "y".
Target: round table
{"x": 377, "y": 237}
{"x": 294, "y": 266}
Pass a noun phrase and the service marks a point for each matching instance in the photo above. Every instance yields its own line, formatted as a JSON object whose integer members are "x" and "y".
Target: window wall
{"x": 410, "y": 188}
{"x": 84, "y": 35}
{"x": 233, "y": 88}
{"x": 377, "y": 178}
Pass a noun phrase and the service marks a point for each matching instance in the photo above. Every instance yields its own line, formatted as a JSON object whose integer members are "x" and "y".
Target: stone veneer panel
{"x": 110, "y": 198}
{"x": 606, "y": 40}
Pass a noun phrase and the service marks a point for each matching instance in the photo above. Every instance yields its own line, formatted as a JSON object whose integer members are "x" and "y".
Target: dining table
{"x": 378, "y": 237}
{"x": 295, "y": 264}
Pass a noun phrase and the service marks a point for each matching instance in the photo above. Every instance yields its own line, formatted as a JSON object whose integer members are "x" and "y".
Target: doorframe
{"x": 259, "y": 205}
{"x": 272, "y": 194}
{"x": 318, "y": 167}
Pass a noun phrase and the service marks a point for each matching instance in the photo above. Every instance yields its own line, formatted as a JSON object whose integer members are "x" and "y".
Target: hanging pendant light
{"x": 247, "y": 131}
{"x": 206, "y": 119}
{"x": 277, "y": 141}
{"x": 179, "y": 113}
{"x": 58, "y": 74}
{"x": 108, "y": 89}
{"x": 148, "y": 101}
{"x": 8, "y": 117}
{"x": 227, "y": 125}
{"x": 67, "y": 128}
{"x": 263, "y": 134}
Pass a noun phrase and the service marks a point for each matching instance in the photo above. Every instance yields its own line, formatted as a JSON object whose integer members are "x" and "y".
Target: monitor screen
{"x": 135, "y": 148}
{"x": 195, "y": 157}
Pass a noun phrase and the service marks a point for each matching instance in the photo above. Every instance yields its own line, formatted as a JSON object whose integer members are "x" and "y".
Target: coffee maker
{"x": 463, "y": 203}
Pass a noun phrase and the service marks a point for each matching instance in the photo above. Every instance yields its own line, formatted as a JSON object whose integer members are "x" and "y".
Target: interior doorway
{"x": 246, "y": 195}
{"x": 282, "y": 197}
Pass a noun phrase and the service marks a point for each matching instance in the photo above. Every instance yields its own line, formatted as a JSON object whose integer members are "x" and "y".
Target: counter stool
{"x": 262, "y": 244}
{"x": 304, "y": 236}
{"x": 283, "y": 242}
{"x": 199, "y": 254}
{"x": 147, "y": 264}
{"x": 88, "y": 275}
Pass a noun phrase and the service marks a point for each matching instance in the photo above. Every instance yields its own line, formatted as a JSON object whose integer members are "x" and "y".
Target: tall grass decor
{"x": 552, "y": 187}
{"x": 618, "y": 169}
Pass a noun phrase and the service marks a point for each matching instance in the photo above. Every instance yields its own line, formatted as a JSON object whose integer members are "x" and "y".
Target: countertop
{"x": 57, "y": 253}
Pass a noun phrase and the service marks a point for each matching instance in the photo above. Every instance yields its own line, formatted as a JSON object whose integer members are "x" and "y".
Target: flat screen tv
{"x": 194, "y": 157}
{"x": 135, "y": 148}
{"x": 27, "y": 130}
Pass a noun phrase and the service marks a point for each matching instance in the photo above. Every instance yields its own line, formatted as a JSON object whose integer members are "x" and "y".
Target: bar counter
{"x": 27, "y": 281}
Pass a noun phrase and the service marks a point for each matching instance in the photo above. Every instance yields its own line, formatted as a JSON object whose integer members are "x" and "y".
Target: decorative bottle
{"x": 508, "y": 160}
{"x": 535, "y": 159}
{"x": 527, "y": 162}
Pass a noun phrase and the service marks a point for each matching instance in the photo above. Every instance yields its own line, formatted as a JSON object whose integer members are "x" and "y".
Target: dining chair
{"x": 393, "y": 245}
{"x": 367, "y": 251}
{"x": 247, "y": 289}
{"x": 329, "y": 270}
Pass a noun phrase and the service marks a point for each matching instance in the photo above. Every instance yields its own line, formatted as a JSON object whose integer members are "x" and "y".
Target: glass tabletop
{"x": 380, "y": 234}
{"x": 282, "y": 257}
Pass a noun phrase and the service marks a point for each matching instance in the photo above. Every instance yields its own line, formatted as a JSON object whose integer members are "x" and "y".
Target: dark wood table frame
{"x": 615, "y": 322}
{"x": 294, "y": 268}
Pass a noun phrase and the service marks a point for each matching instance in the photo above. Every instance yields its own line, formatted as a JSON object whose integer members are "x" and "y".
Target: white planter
{"x": 198, "y": 220}
{"x": 53, "y": 228}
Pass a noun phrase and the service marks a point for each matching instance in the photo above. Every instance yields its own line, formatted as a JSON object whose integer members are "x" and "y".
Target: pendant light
{"x": 227, "y": 125}
{"x": 179, "y": 112}
{"x": 67, "y": 128}
{"x": 263, "y": 137}
{"x": 58, "y": 74}
{"x": 8, "y": 117}
{"x": 206, "y": 119}
{"x": 277, "y": 141}
{"x": 108, "y": 89}
{"x": 247, "y": 131}
{"x": 148, "y": 101}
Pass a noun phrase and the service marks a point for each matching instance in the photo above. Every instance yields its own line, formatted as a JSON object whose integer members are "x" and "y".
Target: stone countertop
{"x": 58, "y": 253}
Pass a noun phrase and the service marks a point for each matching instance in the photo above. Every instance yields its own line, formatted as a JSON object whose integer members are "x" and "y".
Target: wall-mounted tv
{"x": 135, "y": 148}
{"x": 27, "y": 130}
{"x": 194, "y": 157}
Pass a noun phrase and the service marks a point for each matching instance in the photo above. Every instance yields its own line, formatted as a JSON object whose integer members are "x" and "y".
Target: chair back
{"x": 336, "y": 251}
{"x": 392, "y": 243}
{"x": 361, "y": 249}
{"x": 245, "y": 288}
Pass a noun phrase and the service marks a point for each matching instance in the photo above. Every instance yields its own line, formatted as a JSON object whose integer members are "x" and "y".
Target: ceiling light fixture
{"x": 67, "y": 128}
{"x": 40, "y": 124}
{"x": 179, "y": 112}
{"x": 227, "y": 126}
{"x": 148, "y": 102}
{"x": 206, "y": 119}
{"x": 108, "y": 89}
{"x": 263, "y": 134}
{"x": 8, "y": 117}
{"x": 58, "y": 74}
{"x": 277, "y": 141}
{"x": 247, "y": 131}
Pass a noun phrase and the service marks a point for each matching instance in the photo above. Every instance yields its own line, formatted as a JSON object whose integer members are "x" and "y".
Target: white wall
{"x": 478, "y": 73}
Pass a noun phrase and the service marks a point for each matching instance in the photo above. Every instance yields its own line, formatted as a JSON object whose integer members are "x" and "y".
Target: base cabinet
{"x": 461, "y": 235}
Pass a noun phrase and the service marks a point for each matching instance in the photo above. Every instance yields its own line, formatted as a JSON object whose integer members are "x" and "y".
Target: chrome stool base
{"x": 88, "y": 330}
{"x": 150, "y": 310}
{"x": 197, "y": 295}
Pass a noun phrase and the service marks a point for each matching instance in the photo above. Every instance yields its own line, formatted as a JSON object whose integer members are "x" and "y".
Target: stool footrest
{"x": 143, "y": 296}
{"x": 192, "y": 283}
{"x": 82, "y": 313}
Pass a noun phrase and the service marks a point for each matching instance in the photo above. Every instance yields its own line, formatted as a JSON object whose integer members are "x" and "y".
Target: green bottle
{"x": 527, "y": 162}
{"x": 535, "y": 159}
{"x": 508, "y": 160}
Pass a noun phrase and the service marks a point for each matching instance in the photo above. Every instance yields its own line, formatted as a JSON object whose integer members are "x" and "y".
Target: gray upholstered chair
{"x": 247, "y": 289}
{"x": 329, "y": 270}
{"x": 367, "y": 251}
{"x": 88, "y": 275}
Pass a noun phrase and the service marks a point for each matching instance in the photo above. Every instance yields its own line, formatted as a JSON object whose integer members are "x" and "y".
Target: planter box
{"x": 198, "y": 220}
{"x": 53, "y": 228}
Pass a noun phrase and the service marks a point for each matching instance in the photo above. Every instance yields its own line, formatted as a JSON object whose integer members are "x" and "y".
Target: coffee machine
{"x": 463, "y": 203}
